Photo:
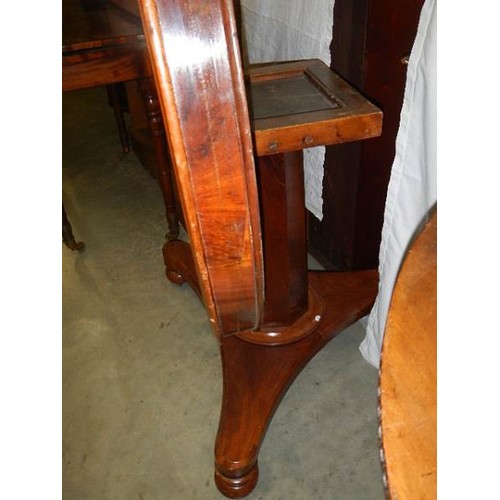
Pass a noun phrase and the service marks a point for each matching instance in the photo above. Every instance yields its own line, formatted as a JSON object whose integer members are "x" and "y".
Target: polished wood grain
{"x": 256, "y": 377}
{"x": 281, "y": 181}
{"x": 267, "y": 329}
{"x": 204, "y": 106}
{"x": 408, "y": 374}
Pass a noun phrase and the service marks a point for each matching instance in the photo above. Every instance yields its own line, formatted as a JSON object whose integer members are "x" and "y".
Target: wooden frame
{"x": 301, "y": 104}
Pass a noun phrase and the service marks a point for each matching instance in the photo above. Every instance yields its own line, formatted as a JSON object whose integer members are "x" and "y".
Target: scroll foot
{"x": 257, "y": 375}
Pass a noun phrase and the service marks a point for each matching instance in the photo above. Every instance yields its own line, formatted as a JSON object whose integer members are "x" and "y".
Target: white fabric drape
{"x": 285, "y": 30}
{"x": 412, "y": 188}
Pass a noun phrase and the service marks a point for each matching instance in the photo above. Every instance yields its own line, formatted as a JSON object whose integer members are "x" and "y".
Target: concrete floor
{"x": 141, "y": 368}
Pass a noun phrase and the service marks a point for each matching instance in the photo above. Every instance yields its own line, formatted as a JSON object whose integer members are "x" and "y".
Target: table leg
{"x": 164, "y": 170}
{"x": 67, "y": 234}
{"x": 256, "y": 377}
{"x": 114, "y": 101}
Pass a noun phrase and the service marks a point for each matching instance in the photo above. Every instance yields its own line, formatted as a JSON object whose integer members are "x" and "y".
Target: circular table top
{"x": 408, "y": 374}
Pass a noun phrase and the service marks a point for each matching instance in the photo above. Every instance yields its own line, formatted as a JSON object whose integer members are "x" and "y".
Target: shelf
{"x": 302, "y": 104}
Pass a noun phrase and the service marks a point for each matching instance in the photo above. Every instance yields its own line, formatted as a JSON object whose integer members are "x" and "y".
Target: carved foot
{"x": 256, "y": 376}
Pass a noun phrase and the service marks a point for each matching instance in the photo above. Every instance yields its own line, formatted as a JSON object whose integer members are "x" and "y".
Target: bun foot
{"x": 179, "y": 264}
{"x": 174, "y": 277}
{"x": 237, "y": 487}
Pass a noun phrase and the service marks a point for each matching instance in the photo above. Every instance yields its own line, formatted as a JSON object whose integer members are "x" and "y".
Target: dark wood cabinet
{"x": 370, "y": 39}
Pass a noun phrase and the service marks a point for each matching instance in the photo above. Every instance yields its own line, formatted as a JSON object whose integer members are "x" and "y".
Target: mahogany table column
{"x": 281, "y": 179}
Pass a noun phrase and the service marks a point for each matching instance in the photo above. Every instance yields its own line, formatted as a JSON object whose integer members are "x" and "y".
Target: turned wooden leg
{"x": 155, "y": 123}
{"x": 114, "y": 101}
{"x": 67, "y": 234}
{"x": 256, "y": 377}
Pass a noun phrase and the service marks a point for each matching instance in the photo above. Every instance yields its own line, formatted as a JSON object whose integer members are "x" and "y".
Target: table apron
{"x": 104, "y": 66}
